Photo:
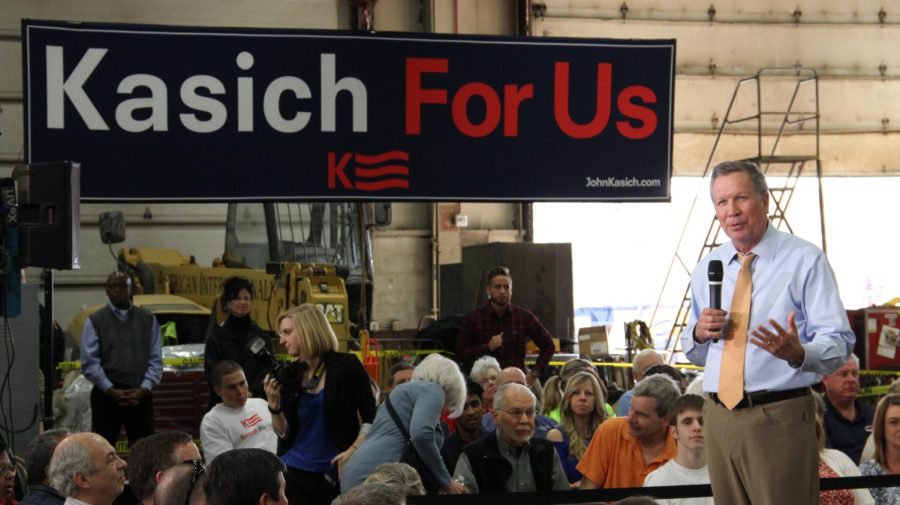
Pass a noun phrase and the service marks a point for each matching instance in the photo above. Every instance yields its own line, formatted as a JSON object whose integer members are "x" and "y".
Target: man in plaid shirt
{"x": 501, "y": 329}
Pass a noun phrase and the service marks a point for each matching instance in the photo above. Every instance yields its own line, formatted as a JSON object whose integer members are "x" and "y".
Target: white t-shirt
{"x": 673, "y": 474}
{"x": 225, "y": 428}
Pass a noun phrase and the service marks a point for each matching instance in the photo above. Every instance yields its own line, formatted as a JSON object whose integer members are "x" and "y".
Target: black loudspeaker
{"x": 48, "y": 214}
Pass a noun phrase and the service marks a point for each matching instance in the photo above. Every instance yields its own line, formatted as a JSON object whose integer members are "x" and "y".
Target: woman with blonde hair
{"x": 582, "y": 410}
{"x": 437, "y": 385}
{"x": 886, "y": 433}
{"x": 322, "y": 414}
{"x": 553, "y": 389}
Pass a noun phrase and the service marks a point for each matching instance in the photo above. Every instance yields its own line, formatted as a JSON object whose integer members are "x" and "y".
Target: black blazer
{"x": 347, "y": 393}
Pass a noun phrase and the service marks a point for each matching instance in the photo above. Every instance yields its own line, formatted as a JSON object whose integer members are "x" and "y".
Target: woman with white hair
{"x": 436, "y": 385}
{"x": 485, "y": 371}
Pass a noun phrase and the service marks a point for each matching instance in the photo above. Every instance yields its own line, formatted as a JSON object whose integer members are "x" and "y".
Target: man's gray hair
{"x": 372, "y": 493}
{"x": 445, "y": 373}
{"x": 502, "y": 391}
{"x": 748, "y": 167}
{"x": 662, "y": 388}
{"x": 399, "y": 474}
{"x": 69, "y": 459}
{"x": 482, "y": 365}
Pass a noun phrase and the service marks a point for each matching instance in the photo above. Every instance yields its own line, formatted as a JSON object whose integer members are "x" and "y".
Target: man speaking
{"x": 780, "y": 295}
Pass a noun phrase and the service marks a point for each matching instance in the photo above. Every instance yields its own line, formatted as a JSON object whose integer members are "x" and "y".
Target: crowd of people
{"x": 316, "y": 431}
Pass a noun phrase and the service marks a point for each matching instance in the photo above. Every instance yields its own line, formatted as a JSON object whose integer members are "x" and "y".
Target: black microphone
{"x": 714, "y": 272}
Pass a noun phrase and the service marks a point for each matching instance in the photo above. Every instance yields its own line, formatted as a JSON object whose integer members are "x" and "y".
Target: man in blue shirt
{"x": 762, "y": 449}
{"x": 121, "y": 356}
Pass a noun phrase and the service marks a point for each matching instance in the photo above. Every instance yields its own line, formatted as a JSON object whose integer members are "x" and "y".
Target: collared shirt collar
{"x": 120, "y": 312}
{"x": 765, "y": 249}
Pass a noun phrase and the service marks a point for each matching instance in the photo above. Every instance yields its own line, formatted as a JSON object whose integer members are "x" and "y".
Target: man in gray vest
{"x": 121, "y": 355}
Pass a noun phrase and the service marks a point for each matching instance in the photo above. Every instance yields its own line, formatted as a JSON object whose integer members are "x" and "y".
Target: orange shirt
{"x": 614, "y": 458}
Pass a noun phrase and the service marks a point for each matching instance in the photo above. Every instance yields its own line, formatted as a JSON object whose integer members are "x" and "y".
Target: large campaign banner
{"x": 161, "y": 113}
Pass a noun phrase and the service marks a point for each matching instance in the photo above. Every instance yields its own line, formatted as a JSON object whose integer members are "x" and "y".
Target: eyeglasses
{"x": 484, "y": 380}
{"x": 197, "y": 470}
{"x": 517, "y": 413}
{"x": 4, "y": 469}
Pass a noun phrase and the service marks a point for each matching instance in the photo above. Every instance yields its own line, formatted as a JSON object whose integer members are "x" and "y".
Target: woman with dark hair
{"x": 323, "y": 414}
{"x": 233, "y": 338}
{"x": 886, "y": 433}
{"x": 7, "y": 476}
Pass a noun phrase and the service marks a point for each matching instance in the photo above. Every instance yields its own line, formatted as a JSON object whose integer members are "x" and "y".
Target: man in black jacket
{"x": 510, "y": 459}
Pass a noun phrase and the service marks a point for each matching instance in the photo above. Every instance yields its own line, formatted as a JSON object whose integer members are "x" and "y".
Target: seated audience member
{"x": 398, "y": 474}
{"x": 689, "y": 465}
{"x": 557, "y": 384}
{"x": 468, "y": 425}
{"x": 37, "y": 460}
{"x": 485, "y": 372}
{"x": 641, "y": 362}
{"x": 625, "y": 450}
{"x": 582, "y": 411}
{"x": 239, "y": 422}
{"x": 372, "y": 493}
{"x": 847, "y": 421}
{"x": 245, "y": 476}
{"x": 86, "y": 470}
{"x": 696, "y": 387}
{"x": 7, "y": 476}
{"x": 181, "y": 484}
{"x": 151, "y": 455}
{"x": 834, "y": 463}
{"x": 401, "y": 372}
{"x": 868, "y": 451}
{"x": 887, "y": 449}
{"x": 515, "y": 375}
{"x": 511, "y": 460}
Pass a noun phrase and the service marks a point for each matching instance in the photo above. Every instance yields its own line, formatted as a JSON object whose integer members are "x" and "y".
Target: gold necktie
{"x": 731, "y": 372}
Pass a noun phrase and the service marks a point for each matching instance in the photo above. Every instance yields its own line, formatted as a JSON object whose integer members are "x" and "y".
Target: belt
{"x": 764, "y": 397}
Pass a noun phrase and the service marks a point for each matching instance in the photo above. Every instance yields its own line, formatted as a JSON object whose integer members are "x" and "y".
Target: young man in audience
{"x": 689, "y": 465}
{"x": 150, "y": 456}
{"x": 244, "y": 477}
{"x": 510, "y": 459}
{"x": 37, "y": 460}
{"x": 401, "y": 372}
{"x": 239, "y": 422}
{"x": 181, "y": 484}
{"x": 86, "y": 470}
{"x": 468, "y": 426}
{"x": 624, "y": 450}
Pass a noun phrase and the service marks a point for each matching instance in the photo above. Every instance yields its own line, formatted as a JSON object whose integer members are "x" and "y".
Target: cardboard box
{"x": 592, "y": 342}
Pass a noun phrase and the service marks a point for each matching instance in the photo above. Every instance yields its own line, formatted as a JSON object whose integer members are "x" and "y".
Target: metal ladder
{"x": 797, "y": 117}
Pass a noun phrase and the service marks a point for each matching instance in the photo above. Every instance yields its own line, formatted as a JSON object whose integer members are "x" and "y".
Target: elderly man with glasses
{"x": 510, "y": 459}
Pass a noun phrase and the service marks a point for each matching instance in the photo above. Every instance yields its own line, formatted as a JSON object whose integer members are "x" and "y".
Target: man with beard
{"x": 510, "y": 459}
{"x": 501, "y": 329}
{"x": 468, "y": 426}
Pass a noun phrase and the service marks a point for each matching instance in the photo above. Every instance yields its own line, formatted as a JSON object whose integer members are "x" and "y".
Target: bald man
{"x": 515, "y": 375}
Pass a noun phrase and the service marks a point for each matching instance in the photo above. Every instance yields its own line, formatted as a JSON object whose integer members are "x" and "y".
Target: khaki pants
{"x": 763, "y": 455}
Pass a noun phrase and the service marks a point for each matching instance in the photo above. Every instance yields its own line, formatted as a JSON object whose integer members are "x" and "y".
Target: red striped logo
{"x": 251, "y": 421}
{"x": 371, "y": 172}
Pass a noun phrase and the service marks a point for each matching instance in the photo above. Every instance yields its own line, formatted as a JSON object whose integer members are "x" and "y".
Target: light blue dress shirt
{"x": 90, "y": 354}
{"x": 789, "y": 274}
